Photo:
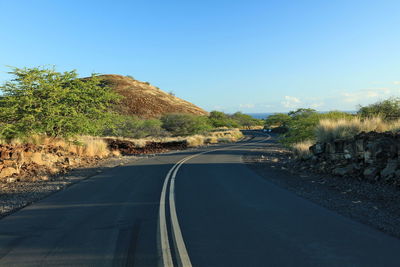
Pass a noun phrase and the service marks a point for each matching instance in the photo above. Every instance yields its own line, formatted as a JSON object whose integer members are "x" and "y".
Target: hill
{"x": 146, "y": 101}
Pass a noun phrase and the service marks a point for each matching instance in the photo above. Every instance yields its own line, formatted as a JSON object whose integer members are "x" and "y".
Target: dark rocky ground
{"x": 373, "y": 203}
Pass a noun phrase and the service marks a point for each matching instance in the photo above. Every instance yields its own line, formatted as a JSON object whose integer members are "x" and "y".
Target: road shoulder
{"x": 15, "y": 196}
{"x": 376, "y": 205}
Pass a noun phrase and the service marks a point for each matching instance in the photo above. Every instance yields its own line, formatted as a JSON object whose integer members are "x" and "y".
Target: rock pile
{"x": 129, "y": 148}
{"x": 28, "y": 161}
{"x": 371, "y": 156}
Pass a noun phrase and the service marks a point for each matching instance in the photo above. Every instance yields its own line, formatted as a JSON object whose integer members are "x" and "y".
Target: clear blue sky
{"x": 248, "y": 55}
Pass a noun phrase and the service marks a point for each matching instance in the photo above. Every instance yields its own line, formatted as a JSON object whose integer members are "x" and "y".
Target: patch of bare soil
{"x": 375, "y": 204}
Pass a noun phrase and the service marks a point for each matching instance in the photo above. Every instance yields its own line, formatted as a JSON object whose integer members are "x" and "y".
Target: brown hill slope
{"x": 146, "y": 101}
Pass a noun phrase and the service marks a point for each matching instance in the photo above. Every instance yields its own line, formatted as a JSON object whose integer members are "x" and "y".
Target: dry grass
{"x": 302, "y": 150}
{"x": 219, "y": 136}
{"x": 329, "y": 130}
{"x": 84, "y": 146}
{"x": 94, "y": 146}
{"x": 195, "y": 140}
{"x": 89, "y": 146}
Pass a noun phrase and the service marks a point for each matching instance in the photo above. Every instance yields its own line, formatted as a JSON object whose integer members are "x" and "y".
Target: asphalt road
{"x": 202, "y": 207}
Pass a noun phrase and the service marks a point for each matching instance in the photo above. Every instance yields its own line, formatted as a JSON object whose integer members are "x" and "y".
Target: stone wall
{"x": 371, "y": 156}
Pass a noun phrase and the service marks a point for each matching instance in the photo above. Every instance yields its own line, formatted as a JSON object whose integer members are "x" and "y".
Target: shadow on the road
{"x": 102, "y": 219}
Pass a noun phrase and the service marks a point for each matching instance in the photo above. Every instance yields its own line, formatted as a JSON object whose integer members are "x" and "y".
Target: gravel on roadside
{"x": 374, "y": 204}
{"x": 16, "y": 195}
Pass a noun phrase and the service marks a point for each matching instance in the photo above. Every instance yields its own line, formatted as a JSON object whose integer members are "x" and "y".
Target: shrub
{"x": 302, "y": 124}
{"x": 220, "y": 119}
{"x": 277, "y": 120}
{"x": 185, "y": 124}
{"x": 133, "y": 127}
{"x": 246, "y": 121}
{"x": 43, "y": 101}
{"x": 388, "y": 109}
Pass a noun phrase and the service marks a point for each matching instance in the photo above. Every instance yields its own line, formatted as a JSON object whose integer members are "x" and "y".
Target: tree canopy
{"x": 44, "y": 101}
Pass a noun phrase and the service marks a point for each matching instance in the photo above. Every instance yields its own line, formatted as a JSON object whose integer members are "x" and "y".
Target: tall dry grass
{"x": 84, "y": 146}
{"x": 90, "y": 146}
{"x": 328, "y": 130}
{"x": 302, "y": 149}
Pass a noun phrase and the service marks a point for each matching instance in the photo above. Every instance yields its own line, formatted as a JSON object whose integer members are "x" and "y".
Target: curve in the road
{"x": 181, "y": 251}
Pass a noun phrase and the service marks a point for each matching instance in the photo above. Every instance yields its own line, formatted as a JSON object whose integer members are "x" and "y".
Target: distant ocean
{"x": 263, "y": 116}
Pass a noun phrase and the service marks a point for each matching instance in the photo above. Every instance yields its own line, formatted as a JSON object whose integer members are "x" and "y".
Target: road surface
{"x": 201, "y": 207}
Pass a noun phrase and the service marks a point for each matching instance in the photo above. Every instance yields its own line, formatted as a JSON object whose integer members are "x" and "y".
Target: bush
{"x": 302, "y": 123}
{"x": 388, "y": 109}
{"x": 220, "y": 119}
{"x": 43, "y": 101}
{"x": 133, "y": 127}
{"x": 278, "y": 121}
{"x": 246, "y": 121}
{"x": 185, "y": 124}
{"x": 236, "y": 120}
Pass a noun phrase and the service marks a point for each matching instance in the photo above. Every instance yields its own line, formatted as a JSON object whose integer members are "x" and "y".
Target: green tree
{"x": 133, "y": 127}
{"x": 43, "y": 101}
{"x": 185, "y": 124}
{"x": 388, "y": 109}
{"x": 220, "y": 119}
{"x": 277, "y": 120}
{"x": 245, "y": 120}
{"x": 302, "y": 123}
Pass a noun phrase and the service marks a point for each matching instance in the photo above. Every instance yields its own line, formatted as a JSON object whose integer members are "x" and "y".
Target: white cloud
{"x": 396, "y": 82}
{"x": 365, "y": 95}
{"x": 291, "y": 102}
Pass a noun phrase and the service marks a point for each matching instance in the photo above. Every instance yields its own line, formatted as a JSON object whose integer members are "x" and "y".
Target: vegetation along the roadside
{"x": 41, "y": 103}
{"x": 301, "y": 128}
